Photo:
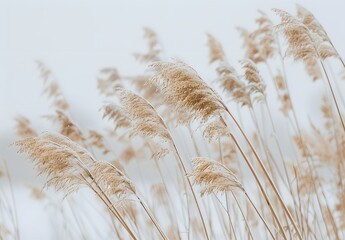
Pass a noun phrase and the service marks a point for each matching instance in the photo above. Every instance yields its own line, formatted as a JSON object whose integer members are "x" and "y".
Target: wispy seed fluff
{"x": 23, "y": 128}
{"x": 325, "y": 46}
{"x": 185, "y": 91}
{"x": 67, "y": 127}
{"x": 233, "y": 85}
{"x": 117, "y": 115}
{"x": 255, "y": 82}
{"x": 154, "y": 50}
{"x": 63, "y": 161}
{"x": 216, "y": 51}
{"x": 306, "y": 38}
{"x": 213, "y": 177}
{"x": 108, "y": 80}
{"x": 68, "y": 166}
{"x": 112, "y": 180}
{"x": 144, "y": 118}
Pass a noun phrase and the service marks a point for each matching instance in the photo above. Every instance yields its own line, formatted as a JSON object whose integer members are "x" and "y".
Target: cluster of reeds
{"x": 239, "y": 183}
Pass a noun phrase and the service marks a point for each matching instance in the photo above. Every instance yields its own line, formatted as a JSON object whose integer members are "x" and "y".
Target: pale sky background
{"x": 76, "y": 38}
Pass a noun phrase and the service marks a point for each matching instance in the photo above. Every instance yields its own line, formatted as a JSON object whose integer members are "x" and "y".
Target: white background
{"x": 77, "y": 38}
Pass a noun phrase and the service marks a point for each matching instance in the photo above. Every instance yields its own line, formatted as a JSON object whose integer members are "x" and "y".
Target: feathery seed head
{"x": 110, "y": 79}
{"x": 144, "y": 118}
{"x": 185, "y": 91}
{"x": 216, "y": 49}
{"x": 59, "y": 158}
{"x": 68, "y": 128}
{"x": 213, "y": 177}
{"x": 112, "y": 180}
{"x": 255, "y": 82}
{"x": 117, "y": 115}
{"x": 23, "y": 128}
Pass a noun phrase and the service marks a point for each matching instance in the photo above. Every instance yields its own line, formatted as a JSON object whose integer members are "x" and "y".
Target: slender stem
{"x": 110, "y": 206}
{"x": 243, "y": 215}
{"x": 257, "y": 211}
{"x": 81, "y": 226}
{"x": 260, "y": 186}
{"x": 227, "y": 213}
{"x": 13, "y": 199}
{"x": 333, "y": 95}
{"x": 192, "y": 190}
{"x": 294, "y": 113}
{"x": 193, "y": 140}
{"x": 222, "y": 161}
{"x": 184, "y": 170}
{"x": 334, "y": 225}
{"x": 325, "y": 72}
{"x": 152, "y": 219}
{"x": 267, "y": 175}
{"x": 340, "y": 58}
{"x": 111, "y": 209}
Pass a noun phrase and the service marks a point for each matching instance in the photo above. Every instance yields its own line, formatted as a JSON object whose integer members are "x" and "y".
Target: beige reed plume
{"x": 140, "y": 118}
{"x": 23, "y": 128}
{"x": 59, "y": 158}
{"x": 112, "y": 180}
{"x": 147, "y": 122}
{"x": 265, "y": 37}
{"x": 305, "y": 44}
{"x": 260, "y": 45}
{"x": 51, "y": 87}
{"x": 144, "y": 118}
{"x": 154, "y": 49}
{"x": 283, "y": 93}
{"x": 308, "y": 43}
{"x": 216, "y": 50}
{"x": 233, "y": 86}
{"x": 306, "y": 38}
{"x": 109, "y": 79}
{"x": 255, "y": 82}
{"x": 250, "y": 45}
{"x": 67, "y": 127}
{"x": 215, "y": 129}
{"x": 227, "y": 78}
{"x": 117, "y": 115}
{"x": 97, "y": 140}
{"x": 184, "y": 90}
{"x": 326, "y": 49}
{"x": 188, "y": 95}
{"x": 115, "y": 183}
{"x": 213, "y": 177}
{"x": 146, "y": 91}
{"x": 68, "y": 167}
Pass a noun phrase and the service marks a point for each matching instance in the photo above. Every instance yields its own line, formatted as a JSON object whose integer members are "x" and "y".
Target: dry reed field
{"x": 180, "y": 154}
